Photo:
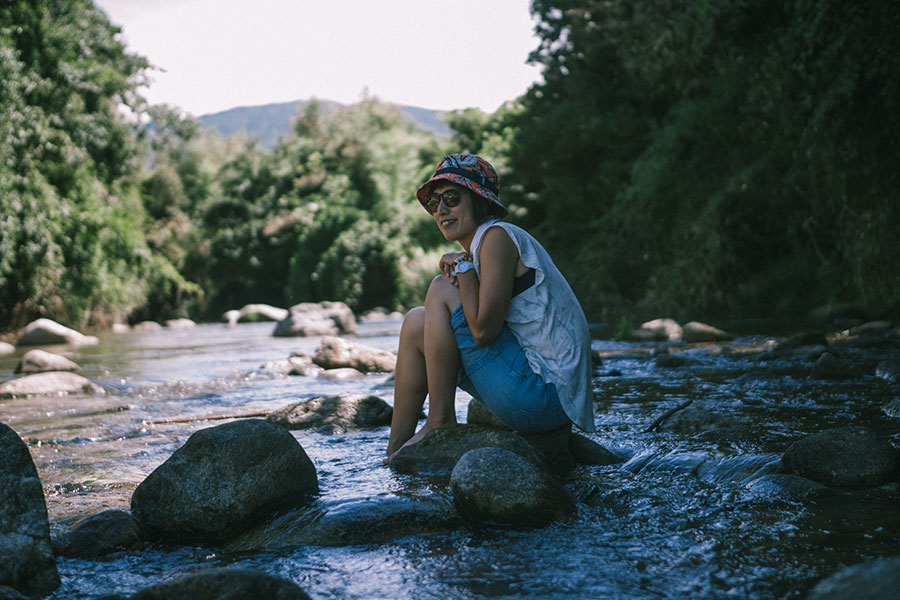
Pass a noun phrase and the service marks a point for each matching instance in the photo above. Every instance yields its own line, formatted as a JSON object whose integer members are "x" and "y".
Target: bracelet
{"x": 465, "y": 256}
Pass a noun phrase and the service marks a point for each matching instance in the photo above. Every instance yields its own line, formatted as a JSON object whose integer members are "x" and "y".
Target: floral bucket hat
{"x": 467, "y": 170}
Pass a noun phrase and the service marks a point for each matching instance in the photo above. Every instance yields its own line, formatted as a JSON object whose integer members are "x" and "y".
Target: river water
{"x": 679, "y": 518}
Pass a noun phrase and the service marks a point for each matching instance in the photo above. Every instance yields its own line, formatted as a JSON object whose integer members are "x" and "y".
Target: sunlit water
{"x": 675, "y": 520}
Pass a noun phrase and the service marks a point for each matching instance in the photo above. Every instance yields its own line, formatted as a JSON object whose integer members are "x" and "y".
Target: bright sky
{"x": 218, "y": 54}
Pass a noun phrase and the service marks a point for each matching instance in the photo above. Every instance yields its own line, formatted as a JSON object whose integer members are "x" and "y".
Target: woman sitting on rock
{"x": 500, "y": 321}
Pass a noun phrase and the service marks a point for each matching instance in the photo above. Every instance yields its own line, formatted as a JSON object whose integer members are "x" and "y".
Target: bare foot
{"x": 413, "y": 440}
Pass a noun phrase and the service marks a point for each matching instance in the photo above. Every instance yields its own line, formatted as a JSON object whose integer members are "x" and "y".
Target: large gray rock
{"x": 368, "y": 520}
{"x": 46, "y": 384}
{"x": 261, "y": 312}
{"x": 695, "y": 331}
{"x": 657, "y": 330}
{"x": 223, "y": 480}
{"x": 783, "y": 485}
{"x": 8, "y": 593}
{"x": 101, "y": 534}
{"x": 561, "y": 448}
{"x": 181, "y": 323}
{"x": 586, "y": 451}
{"x": 337, "y": 353}
{"x": 499, "y": 486}
{"x": 44, "y": 332}
{"x": 872, "y": 580}
{"x": 693, "y": 420}
{"x": 6, "y": 348}
{"x": 26, "y": 555}
{"x": 305, "y": 325}
{"x": 828, "y": 366}
{"x": 342, "y": 374}
{"x": 317, "y": 318}
{"x": 300, "y": 364}
{"x": 478, "y": 413}
{"x": 224, "y": 584}
{"x": 41, "y": 361}
{"x": 334, "y": 414}
{"x": 439, "y": 451}
{"x": 849, "y": 456}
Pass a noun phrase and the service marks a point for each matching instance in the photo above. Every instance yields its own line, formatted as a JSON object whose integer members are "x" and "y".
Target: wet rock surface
{"x": 850, "y": 456}
{"x": 872, "y": 580}
{"x": 367, "y": 520}
{"x": 441, "y": 449}
{"x": 334, "y": 414}
{"x": 26, "y": 556}
{"x": 336, "y": 353}
{"x": 316, "y": 318}
{"x": 500, "y": 486}
{"x": 101, "y": 534}
{"x": 51, "y": 383}
{"x": 224, "y": 479}
{"x": 40, "y": 361}
{"x": 224, "y": 584}
{"x": 45, "y": 332}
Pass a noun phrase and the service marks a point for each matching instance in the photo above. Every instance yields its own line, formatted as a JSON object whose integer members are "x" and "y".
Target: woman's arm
{"x": 486, "y": 303}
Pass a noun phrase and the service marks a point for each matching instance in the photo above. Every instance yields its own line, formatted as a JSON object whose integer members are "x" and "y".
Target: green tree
{"x": 71, "y": 244}
{"x": 717, "y": 157}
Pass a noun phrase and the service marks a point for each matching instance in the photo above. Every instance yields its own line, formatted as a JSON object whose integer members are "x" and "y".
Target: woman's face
{"x": 458, "y": 223}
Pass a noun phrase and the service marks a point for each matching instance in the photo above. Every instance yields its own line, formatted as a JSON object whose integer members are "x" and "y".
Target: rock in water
{"x": 41, "y": 361}
{"x": 52, "y": 383}
{"x": 701, "y": 332}
{"x": 336, "y": 353}
{"x": 45, "y": 331}
{"x": 223, "y": 480}
{"x": 26, "y": 555}
{"x": 104, "y": 533}
{"x": 500, "y": 486}
{"x": 848, "y": 456}
{"x": 224, "y": 584}
{"x": 317, "y": 318}
{"x": 439, "y": 451}
{"x": 334, "y": 414}
{"x": 873, "y": 580}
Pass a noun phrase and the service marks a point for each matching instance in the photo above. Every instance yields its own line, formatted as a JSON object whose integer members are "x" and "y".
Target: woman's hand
{"x": 449, "y": 260}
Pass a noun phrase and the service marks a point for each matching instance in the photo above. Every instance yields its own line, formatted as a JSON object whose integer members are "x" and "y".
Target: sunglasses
{"x": 450, "y": 198}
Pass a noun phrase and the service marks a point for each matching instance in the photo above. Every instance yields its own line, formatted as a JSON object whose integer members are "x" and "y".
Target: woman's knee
{"x": 413, "y": 326}
{"x": 442, "y": 291}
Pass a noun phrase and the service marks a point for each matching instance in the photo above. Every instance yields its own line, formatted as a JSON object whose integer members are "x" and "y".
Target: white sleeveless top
{"x": 549, "y": 324}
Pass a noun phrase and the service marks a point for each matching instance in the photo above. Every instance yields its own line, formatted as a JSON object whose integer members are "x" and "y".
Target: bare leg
{"x": 410, "y": 383}
{"x": 426, "y": 338}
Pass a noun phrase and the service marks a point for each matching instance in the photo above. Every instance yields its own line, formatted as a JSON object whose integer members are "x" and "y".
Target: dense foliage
{"x": 71, "y": 242}
{"x": 690, "y": 158}
{"x": 716, "y": 157}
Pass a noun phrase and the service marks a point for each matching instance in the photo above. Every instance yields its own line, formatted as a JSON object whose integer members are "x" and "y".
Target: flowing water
{"x": 676, "y": 519}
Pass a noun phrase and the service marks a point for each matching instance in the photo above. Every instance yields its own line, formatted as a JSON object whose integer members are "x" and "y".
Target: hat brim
{"x": 476, "y": 188}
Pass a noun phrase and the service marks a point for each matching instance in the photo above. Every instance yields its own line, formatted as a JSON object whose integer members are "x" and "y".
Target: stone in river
{"x": 44, "y": 332}
{"x": 52, "y": 383}
{"x": 27, "y": 563}
{"x": 500, "y": 486}
{"x": 100, "y": 534}
{"x": 41, "y": 361}
{"x": 849, "y": 456}
{"x": 223, "y": 480}
{"x": 224, "y": 584}
{"x": 334, "y": 414}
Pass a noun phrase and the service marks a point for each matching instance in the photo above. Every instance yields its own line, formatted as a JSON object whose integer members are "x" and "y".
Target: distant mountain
{"x": 270, "y": 121}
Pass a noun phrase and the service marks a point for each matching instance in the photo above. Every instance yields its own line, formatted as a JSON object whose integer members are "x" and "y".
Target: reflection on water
{"x": 675, "y": 520}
